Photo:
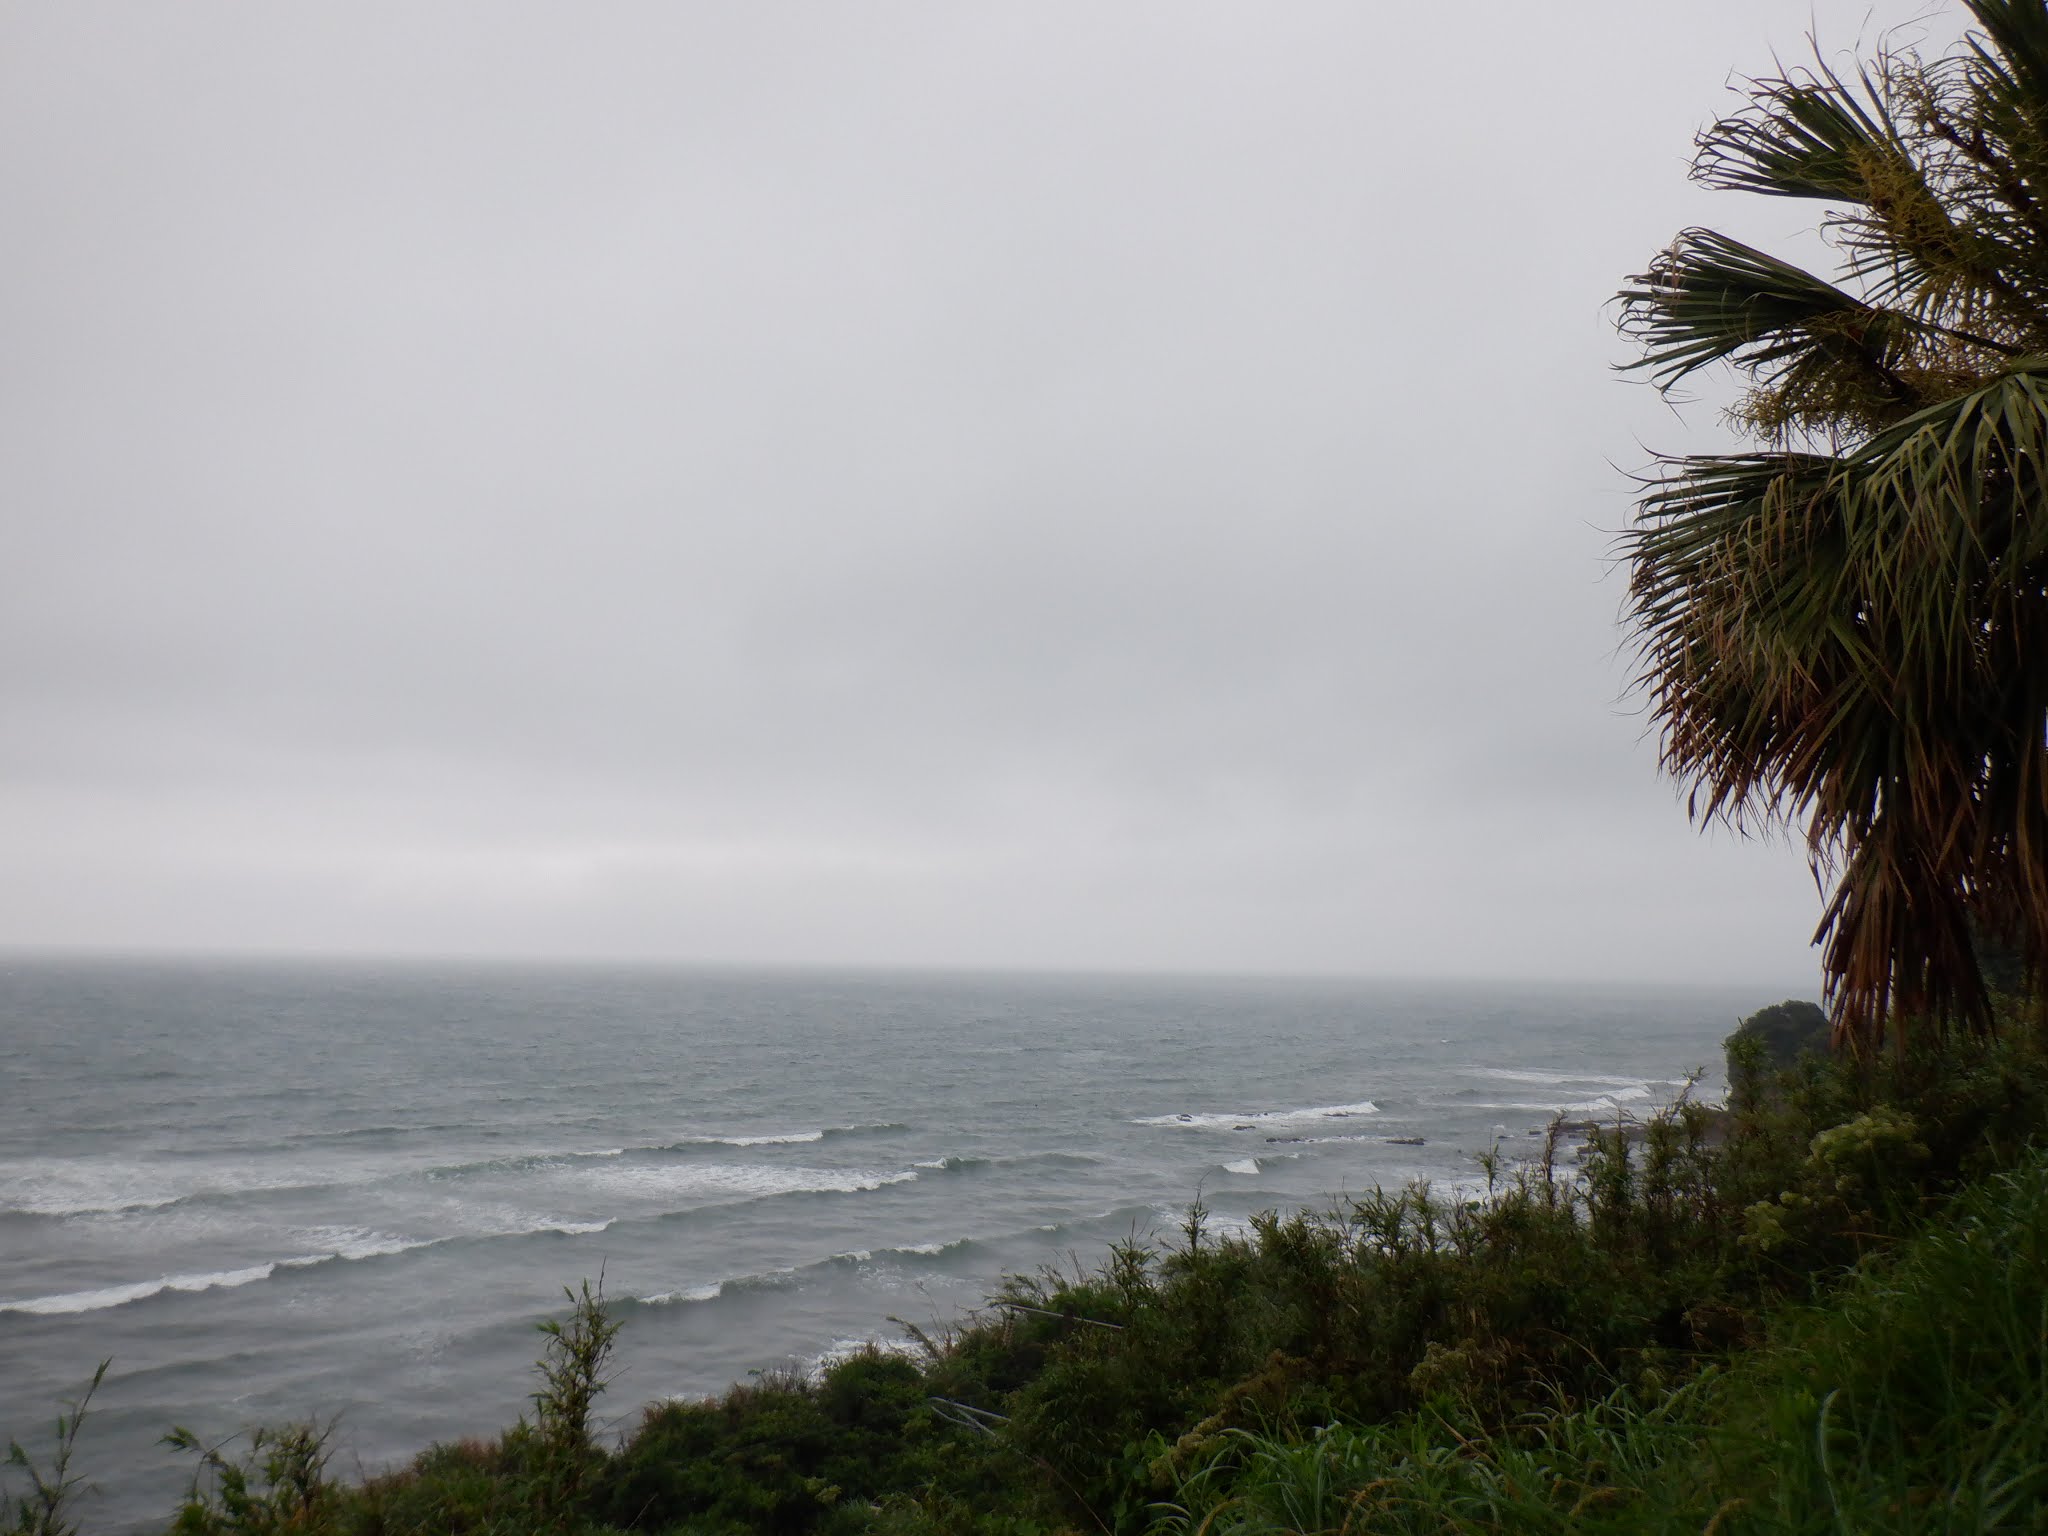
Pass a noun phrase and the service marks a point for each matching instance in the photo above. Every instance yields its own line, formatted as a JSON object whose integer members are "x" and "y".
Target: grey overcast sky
{"x": 1093, "y": 484}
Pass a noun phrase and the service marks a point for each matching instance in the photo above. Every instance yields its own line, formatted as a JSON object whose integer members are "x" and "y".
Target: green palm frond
{"x": 1711, "y": 299}
{"x": 2012, "y": 58}
{"x": 1855, "y": 641}
{"x": 1809, "y": 135}
{"x": 1957, "y": 493}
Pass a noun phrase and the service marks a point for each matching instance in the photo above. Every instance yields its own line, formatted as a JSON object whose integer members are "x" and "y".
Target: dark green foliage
{"x": 786, "y": 1454}
{"x": 469, "y": 1486}
{"x": 1772, "y": 1039}
{"x": 1916, "y": 1401}
{"x": 278, "y": 1484}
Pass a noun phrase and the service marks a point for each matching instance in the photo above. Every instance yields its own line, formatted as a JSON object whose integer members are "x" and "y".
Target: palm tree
{"x": 1847, "y": 624}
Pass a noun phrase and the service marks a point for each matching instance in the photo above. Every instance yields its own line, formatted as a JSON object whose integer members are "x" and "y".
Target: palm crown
{"x": 1847, "y": 625}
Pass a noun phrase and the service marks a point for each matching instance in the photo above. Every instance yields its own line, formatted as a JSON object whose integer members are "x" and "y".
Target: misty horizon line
{"x": 474, "y": 960}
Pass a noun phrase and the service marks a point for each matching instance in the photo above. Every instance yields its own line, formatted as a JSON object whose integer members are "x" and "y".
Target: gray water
{"x": 272, "y": 1192}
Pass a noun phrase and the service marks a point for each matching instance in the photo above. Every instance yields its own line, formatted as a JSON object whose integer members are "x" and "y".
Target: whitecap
{"x": 691, "y": 1293}
{"x": 744, "y": 1179}
{"x": 121, "y": 1295}
{"x": 775, "y": 1138}
{"x": 780, "y": 1139}
{"x": 1554, "y": 1079}
{"x": 352, "y": 1243}
{"x": 1262, "y": 1119}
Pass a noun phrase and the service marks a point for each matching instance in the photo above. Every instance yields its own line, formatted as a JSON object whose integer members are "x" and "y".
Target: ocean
{"x": 349, "y": 1191}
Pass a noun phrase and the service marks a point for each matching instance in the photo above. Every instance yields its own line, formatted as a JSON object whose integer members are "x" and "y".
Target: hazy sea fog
{"x": 272, "y": 1191}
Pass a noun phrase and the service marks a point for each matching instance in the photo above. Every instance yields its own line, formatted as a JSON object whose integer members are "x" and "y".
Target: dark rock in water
{"x": 1286, "y": 1138}
{"x": 1183, "y": 1117}
{"x": 1240, "y": 1127}
{"x": 1407, "y": 1141}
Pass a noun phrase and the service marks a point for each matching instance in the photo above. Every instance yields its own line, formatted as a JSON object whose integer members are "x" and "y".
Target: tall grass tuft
{"x": 45, "y": 1506}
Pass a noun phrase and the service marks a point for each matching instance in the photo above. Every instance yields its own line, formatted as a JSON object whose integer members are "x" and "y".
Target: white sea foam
{"x": 782, "y": 1139}
{"x": 350, "y": 1243}
{"x": 1242, "y": 1165}
{"x": 1263, "y": 1119}
{"x": 95, "y": 1187}
{"x": 958, "y": 1164}
{"x": 106, "y": 1187}
{"x": 1524, "y": 1106}
{"x": 690, "y": 1293}
{"x": 121, "y": 1295}
{"x": 1553, "y": 1079}
{"x": 774, "y": 1138}
{"x": 334, "y": 1245}
{"x": 1608, "y": 1103}
{"x": 846, "y": 1349}
{"x": 84, "y": 1187}
{"x": 669, "y": 1180}
{"x": 793, "y": 1274}
{"x": 1320, "y": 1141}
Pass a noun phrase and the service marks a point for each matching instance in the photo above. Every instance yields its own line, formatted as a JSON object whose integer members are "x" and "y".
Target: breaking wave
{"x": 1262, "y": 1119}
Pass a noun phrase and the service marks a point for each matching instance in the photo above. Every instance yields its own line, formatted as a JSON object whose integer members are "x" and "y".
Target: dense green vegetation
{"x": 1822, "y": 1309}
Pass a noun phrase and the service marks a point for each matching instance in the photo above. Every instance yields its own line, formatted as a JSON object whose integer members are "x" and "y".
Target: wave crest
{"x": 1262, "y": 1119}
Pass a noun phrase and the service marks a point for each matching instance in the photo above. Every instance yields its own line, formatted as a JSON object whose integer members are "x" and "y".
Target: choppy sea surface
{"x": 274, "y": 1191}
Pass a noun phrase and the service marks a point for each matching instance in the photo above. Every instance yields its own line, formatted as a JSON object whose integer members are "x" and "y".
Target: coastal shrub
{"x": 746, "y": 1462}
{"x": 781, "y": 1454}
{"x": 277, "y": 1483}
{"x": 1914, "y": 1400}
{"x": 574, "y": 1370}
{"x": 1769, "y": 1041}
{"x": 452, "y": 1489}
